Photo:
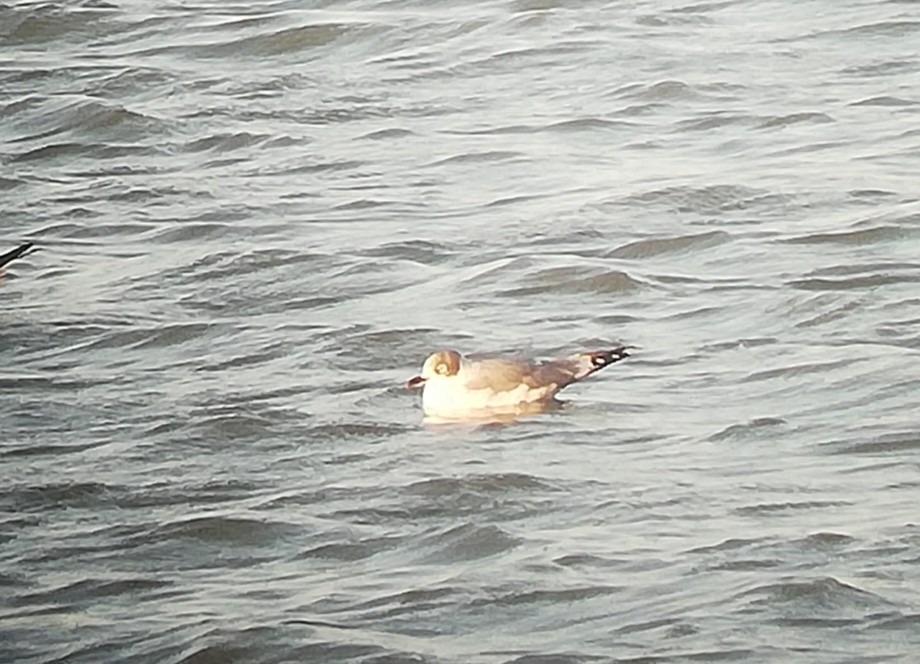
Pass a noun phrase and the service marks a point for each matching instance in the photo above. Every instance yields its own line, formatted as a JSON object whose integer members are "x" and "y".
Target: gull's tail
{"x": 589, "y": 363}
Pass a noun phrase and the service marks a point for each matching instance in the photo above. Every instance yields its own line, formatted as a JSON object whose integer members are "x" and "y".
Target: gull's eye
{"x": 441, "y": 368}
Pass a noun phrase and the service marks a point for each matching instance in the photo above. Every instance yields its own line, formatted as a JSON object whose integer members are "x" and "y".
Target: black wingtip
{"x": 602, "y": 358}
{"x": 18, "y": 252}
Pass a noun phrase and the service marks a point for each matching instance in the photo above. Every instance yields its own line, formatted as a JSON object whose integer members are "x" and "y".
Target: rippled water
{"x": 257, "y": 219}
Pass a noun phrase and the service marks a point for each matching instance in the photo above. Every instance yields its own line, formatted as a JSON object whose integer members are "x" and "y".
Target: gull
{"x": 457, "y": 389}
{"x": 13, "y": 254}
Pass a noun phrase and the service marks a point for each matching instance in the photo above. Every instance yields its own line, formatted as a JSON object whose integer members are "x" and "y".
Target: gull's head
{"x": 444, "y": 363}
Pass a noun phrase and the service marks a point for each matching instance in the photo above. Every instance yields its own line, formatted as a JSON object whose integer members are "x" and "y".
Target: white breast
{"x": 448, "y": 397}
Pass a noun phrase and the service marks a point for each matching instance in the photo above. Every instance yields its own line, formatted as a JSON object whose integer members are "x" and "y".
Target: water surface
{"x": 257, "y": 219}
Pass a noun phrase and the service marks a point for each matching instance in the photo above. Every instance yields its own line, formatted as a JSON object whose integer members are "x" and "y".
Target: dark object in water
{"x": 18, "y": 252}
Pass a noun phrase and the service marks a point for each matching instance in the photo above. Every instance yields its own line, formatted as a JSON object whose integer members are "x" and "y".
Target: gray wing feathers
{"x": 498, "y": 375}
{"x": 504, "y": 375}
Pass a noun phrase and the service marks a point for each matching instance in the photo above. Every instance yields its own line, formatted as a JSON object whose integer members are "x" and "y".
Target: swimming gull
{"x": 456, "y": 388}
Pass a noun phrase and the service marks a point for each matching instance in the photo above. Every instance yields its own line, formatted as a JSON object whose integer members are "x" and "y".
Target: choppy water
{"x": 256, "y": 220}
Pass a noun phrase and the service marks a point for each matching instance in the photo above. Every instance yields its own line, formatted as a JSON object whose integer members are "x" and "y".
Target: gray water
{"x": 257, "y": 219}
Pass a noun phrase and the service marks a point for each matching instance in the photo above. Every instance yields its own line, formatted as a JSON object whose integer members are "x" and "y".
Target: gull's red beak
{"x": 415, "y": 381}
